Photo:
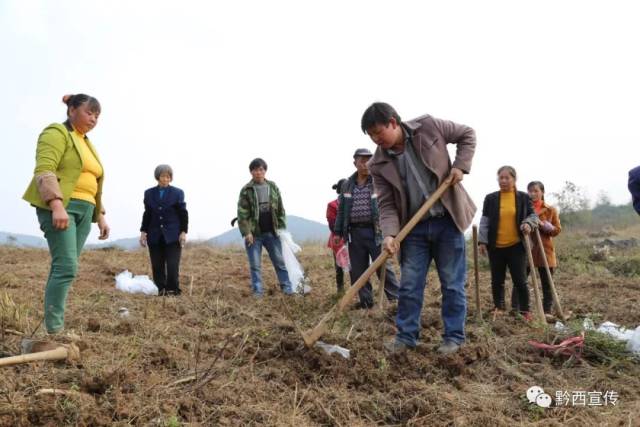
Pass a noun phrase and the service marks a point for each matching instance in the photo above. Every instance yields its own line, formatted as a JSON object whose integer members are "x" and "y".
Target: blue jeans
{"x": 272, "y": 244}
{"x": 438, "y": 239}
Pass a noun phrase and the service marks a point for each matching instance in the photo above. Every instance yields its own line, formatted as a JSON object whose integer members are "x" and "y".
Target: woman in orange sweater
{"x": 549, "y": 228}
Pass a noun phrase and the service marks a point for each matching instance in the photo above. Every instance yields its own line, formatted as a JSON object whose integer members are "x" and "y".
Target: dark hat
{"x": 362, "y": 152}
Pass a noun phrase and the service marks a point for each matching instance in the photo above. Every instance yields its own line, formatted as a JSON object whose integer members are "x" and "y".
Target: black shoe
{"x": 363, "y": 306}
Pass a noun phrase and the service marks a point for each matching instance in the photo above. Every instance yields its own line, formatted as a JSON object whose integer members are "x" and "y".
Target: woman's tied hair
{"x": 338, "y": 185}
{"x": 509, "y": 169}
{"x": 75, "y": 101}
{"x": 538, "y": 184}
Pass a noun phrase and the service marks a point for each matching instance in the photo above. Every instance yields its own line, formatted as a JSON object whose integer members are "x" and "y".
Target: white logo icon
{"x": 537, "y": 395}
{"x": 533, "y": 392}
{"x": 543, "y": 400}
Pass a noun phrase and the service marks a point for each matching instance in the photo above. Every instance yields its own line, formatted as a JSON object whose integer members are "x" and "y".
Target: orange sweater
{"x": 546, "y": 213}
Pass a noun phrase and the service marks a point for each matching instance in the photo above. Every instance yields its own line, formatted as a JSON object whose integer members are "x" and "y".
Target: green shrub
{"x": 624, "y": 266}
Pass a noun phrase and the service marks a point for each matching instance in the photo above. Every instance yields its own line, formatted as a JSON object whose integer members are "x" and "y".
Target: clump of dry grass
{"x": 12, "y": 315}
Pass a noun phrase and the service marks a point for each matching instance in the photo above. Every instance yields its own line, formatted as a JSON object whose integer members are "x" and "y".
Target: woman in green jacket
{"x": 66, "y": 191}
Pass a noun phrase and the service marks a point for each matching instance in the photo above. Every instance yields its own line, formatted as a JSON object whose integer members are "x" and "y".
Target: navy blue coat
{"x": 634, "y": 187}
{"x": 166, "y": 216}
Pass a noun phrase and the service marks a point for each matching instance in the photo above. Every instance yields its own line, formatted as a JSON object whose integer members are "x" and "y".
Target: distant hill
{"x": 127, "y": 244}
{"x": 22, "y": 240}
{"x": 26, "y": 241}
{"x": 302, "y": 230}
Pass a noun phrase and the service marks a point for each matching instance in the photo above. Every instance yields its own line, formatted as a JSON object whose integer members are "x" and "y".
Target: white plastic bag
{"x": 295, "y": 270}
{"x": 634, "y": 343}
{"x": 616, "y": 331}
{"x": 560, "y": 327}
{"x": 330, "y": 349}
{"x": 127, "y": 282}
{"x": 342, "y": 258}
{"x": 632, "y": 337}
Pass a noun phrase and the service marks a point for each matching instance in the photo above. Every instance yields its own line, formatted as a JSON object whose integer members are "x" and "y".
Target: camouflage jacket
{"x": 248, "y": 211}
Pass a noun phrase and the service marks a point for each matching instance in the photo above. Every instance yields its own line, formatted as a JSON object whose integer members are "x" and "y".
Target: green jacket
{"x": 248, "y": 211}
{"x": 57, "y": 152}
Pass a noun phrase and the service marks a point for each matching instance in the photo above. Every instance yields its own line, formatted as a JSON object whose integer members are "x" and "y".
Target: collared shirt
{"x": 361, "y": 210}
{"x": 415, "y": 195}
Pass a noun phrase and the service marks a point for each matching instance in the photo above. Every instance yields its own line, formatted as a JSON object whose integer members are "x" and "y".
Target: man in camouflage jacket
{"x": 260, "y": 216}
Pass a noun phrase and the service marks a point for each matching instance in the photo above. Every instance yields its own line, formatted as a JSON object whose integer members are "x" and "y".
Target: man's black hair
{"x": 378, "y": 113}
{"x": 256, "y": 163}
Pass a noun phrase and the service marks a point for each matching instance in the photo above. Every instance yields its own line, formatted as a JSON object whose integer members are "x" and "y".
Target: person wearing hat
{"x": 358, "y": 223}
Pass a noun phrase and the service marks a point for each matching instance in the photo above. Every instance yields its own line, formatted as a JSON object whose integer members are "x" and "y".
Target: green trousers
{"x": 64, "y": 247}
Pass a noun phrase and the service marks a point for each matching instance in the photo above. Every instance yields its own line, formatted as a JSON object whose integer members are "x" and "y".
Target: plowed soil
{"x": 218, "y": 356}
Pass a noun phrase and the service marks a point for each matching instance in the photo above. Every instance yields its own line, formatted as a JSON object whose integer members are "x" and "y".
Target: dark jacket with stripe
{"x": 345, "y": 204}
{"x": 164, "y": 217}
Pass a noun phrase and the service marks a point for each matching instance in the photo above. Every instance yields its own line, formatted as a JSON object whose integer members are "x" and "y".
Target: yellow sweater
{"x": 87, "y": 185}
{"x": 507, "y": 227}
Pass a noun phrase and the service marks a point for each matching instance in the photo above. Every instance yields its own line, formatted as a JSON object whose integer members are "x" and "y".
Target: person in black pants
{"x": 358, "y": 223}
{"x": 332, "y": 213}
{"x": 164, "y": 229}
{"x": 507, "y": 216}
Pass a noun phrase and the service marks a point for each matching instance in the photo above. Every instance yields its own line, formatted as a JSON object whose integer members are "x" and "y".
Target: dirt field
{"x": 252, "y": 368}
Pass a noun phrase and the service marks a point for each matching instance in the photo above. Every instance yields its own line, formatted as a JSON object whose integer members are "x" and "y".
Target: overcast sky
{"x": 551, "y": 87}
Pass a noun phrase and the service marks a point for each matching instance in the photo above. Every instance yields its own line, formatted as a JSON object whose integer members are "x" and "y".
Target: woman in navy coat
{"x": 164, "y": 230}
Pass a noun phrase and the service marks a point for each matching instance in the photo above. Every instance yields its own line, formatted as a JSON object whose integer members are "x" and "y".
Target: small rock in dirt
{"x": 93, "y": 324}
{"x": 600, "y": 253}
{"x": 289, "y": 344}
{"x": 124, "y": 328}
{"x": 95, "y": 385}
{"x": 160, "y": 357}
